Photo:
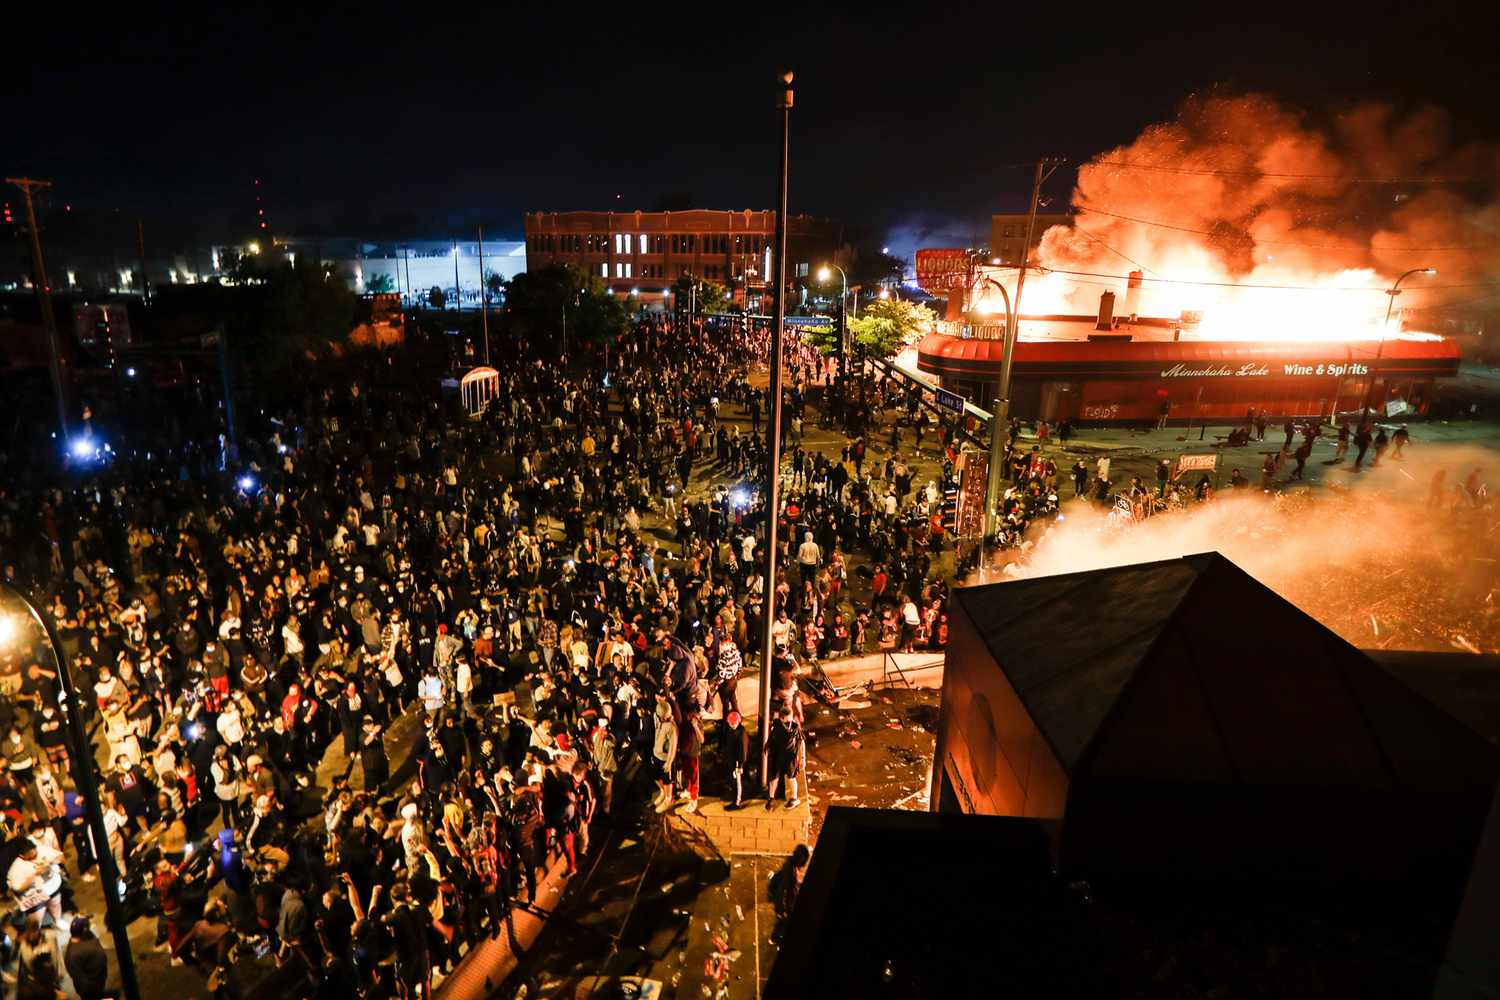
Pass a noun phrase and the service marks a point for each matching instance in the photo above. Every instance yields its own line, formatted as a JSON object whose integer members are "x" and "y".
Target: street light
{"x": 773, "y": 430}
{"x": 824, "y": 276}
{"x": 80, "y": 753}
{"x": 999, "y": 433}
{"x": 1393, "y": 291}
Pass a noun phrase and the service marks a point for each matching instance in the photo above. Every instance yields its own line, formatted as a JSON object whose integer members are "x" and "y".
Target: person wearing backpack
{"x": 785, "y": 739}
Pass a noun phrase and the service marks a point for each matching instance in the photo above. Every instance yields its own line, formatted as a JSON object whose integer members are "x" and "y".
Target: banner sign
{"x": 941, "y": 270}
{"x": 1194, "y": 463}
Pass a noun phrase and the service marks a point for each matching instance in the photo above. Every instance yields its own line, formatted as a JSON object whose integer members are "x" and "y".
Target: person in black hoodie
{"x": 372, "y": 757}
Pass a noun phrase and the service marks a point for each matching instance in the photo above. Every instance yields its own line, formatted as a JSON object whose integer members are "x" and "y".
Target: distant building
{"x": 1008, "y": 233}
{"x": 644, "y": 253}
{"x": 412, "y": 268}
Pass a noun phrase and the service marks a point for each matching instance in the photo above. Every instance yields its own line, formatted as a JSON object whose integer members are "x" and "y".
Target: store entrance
{"x": 1060, "y": 400}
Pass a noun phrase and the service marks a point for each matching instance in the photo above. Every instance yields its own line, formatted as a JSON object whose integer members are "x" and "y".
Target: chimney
{"x": 1133, "y": 295}
{"x": 1106, "y": 312}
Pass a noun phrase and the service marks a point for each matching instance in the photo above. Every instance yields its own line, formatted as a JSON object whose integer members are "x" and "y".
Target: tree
{"x": 711, "y": 296}
{"x": 537, "y": 302}
{"x": 281, "y": 311}
{"x": 824, "y": 338}
{"x": 886, "y": 326}
{"x": 496, "y": 283}
{"x": 436, "y": 297}
{"x": 379, "y": 284}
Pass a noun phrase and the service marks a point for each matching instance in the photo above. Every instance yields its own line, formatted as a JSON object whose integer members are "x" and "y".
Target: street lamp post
{"x": 823, "y": 276}
{"x": 999, "y": 432}
{"x": 457, "y": 292}
{"x": 773, "y": 444}
{"x": 1393, "y": 291}
{"x": 80, "y": 752}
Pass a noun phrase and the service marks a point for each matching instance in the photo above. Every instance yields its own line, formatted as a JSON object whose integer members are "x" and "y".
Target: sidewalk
{"x": 922, "y": 670}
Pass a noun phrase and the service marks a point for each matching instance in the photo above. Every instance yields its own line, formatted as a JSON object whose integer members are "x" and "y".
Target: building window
{"x": 603, "y": 270}
{"x": 802, "y": 269}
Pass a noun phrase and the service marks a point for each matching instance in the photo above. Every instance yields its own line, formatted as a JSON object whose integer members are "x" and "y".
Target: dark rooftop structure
{"x": 904, "y": 904}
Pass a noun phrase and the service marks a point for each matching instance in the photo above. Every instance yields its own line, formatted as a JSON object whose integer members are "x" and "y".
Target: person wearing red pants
{"x": 691, "y": 747}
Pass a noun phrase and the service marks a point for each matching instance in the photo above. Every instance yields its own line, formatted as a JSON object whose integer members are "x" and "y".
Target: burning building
{"x": 1235, "y": 259}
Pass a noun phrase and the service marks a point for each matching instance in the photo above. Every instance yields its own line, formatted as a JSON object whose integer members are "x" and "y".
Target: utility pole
{"x": 231, "y": 449}
{"x": 484, "y": 298}
{"x": 457, "y": 293}
{"x": 44, "y": 296}
{"x": 773, "y": 433}
{"x": 1000, "y": 422}
{"x": 140, "y": 240}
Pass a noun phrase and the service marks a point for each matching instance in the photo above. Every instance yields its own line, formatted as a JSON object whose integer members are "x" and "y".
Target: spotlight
{"x": 247, "y": 483}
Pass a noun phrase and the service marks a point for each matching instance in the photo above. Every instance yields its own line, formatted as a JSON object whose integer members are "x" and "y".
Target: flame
{"x": 1249, "y": 223}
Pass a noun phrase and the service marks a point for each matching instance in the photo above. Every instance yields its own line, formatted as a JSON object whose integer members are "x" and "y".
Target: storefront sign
{"x": 1337, "y": 371}
{"x": 1255, "y": 369}
{"x": 1249, "y": 369}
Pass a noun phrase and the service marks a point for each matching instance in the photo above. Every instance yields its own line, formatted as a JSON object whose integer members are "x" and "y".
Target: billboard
{"x": 942, "y": 270}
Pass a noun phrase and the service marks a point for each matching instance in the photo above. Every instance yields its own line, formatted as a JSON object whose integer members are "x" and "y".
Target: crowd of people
{"x": 352, "y": 691}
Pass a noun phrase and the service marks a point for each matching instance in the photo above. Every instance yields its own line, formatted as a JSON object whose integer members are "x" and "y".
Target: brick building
{"x": 1008, "y": 233}
{"x": 646, "y": 252}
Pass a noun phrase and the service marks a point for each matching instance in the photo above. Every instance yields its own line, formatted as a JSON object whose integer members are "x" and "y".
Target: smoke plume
{"x": 1383, "y": 562}
{"x": 1258, "y": 194}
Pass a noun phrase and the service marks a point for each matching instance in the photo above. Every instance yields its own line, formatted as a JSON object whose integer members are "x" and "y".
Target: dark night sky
{"x": 378, "y": 120}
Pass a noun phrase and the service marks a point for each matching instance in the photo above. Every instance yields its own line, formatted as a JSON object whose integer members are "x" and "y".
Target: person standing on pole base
{"x": 786, "y": 744}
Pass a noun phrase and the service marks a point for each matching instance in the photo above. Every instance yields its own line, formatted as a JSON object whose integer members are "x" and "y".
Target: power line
{"x": 1214, "y": 172}
{"x": 1111, "y": 249}
{"x": 1275, "y": 288}
{"x": 1286, "y": 243}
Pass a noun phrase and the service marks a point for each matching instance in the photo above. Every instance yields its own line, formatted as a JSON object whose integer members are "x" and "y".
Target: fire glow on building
{"x": 1234, "y": 259}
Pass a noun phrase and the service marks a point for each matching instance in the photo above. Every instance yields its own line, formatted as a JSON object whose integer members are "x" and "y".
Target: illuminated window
{"x": 641, "y": 246}
{"x": 603, "y": 270}
{"x": 627, "y": 270}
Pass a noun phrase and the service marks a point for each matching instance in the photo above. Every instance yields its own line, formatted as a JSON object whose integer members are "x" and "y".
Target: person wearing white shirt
{"x": 464, "y": 683}
{"x": 231, "y": 726}
{"x": 430, "y": 690}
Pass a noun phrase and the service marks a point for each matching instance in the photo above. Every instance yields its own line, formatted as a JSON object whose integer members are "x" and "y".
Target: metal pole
{"x": 999, "y": 424}
{"x": 999, "y": 429}
{"x": 44, "y": 295}
{"x": 1393, "y": 291}
{"x": 230, "y": 450}
{"x": 484, "y": 298}
{"x": 773, "y": 434}
{"x": 81, "y": 752}
{"x": 140, "y": 238}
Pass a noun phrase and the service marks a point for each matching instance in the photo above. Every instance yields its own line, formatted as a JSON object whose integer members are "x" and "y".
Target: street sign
{"x": 949, "y": 400}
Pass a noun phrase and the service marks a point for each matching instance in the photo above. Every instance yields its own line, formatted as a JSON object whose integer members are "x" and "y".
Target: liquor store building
{"x": 1121, "y": 378}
